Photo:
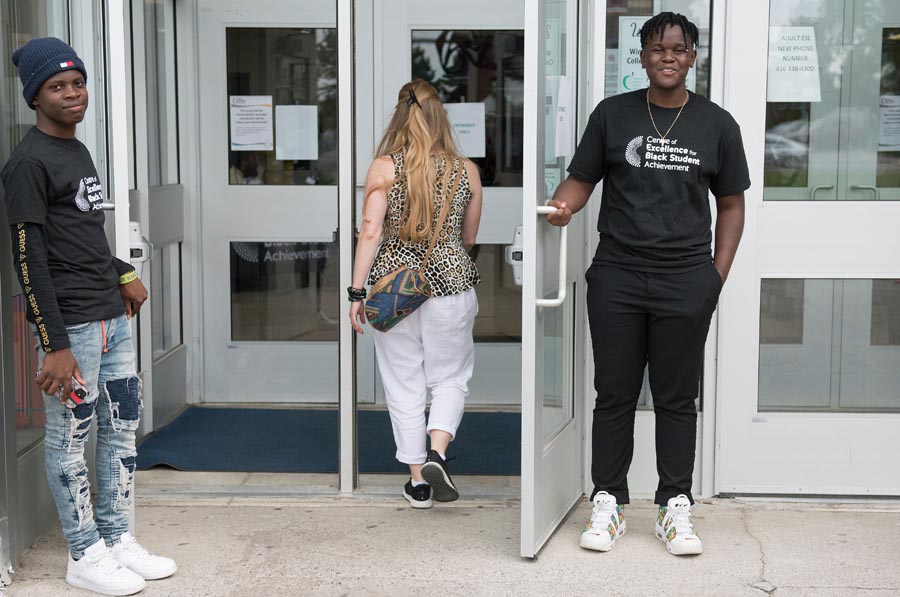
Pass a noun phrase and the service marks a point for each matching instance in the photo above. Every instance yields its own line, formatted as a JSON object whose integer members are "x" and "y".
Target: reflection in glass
{"x": 888, "y": 166}
{"x": 162, "y": 92}
{"x": 796, "y": 322}
{"x": 787, "y": 145}
{"x": 480, "y": 66}
{"x": 284, "y": 291}
{"x": 24, "y": 20}
{"x": 165, "y": 288}
{"x": 29, "y": 399}
{"x": 781, "y": 311}
{"x": 870, "y": 346}
{"x": 499, "y": 316}
{"x": 833, "y": 141}
{"x": 295, "y": 67}
{"x": 829, "y": 345}
{"x": 885, "y": 329}
{"x": 557, "y": 411}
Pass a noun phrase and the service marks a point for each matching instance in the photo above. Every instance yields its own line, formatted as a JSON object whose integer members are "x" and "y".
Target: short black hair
{"x": 657, "y": 26}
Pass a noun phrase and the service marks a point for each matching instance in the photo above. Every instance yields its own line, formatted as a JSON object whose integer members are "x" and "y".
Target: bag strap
{"x": 448, "y": 200}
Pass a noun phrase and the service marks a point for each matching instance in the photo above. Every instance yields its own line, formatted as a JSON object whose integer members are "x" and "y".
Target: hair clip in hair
{"x": 412, "y": 99}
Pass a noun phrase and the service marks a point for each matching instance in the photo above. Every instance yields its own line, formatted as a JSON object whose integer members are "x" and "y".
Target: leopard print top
{"x": 450, "y": 270}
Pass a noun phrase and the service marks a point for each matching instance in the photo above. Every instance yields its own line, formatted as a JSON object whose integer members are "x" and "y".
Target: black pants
{"x": 659, "y": 320}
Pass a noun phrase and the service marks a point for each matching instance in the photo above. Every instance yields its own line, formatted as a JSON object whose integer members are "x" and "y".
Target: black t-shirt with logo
{"x": 53, "y": 182}
{"x": 655, "y": 213}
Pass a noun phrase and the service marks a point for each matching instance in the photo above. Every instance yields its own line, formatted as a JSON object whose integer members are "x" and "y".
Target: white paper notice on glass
{"x": 251, "y": 122}
{"x": 631, "y": 74}
{"x": 889, "y": 123}
{"x": 296, "y": 133}
{"x": 563, "y": 131}
{"x": 793, "y": 65}
{"x": 467, "y": 120}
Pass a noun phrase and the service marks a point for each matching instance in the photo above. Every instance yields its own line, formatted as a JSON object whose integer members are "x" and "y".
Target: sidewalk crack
{"x": 760, "y": 584}
{"x": 831, "y": 588}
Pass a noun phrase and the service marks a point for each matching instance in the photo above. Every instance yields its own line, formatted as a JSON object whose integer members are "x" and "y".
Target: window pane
{"x": 833, "y": 111}
{"x": 829, "y": 345}
{"x": 23, "y": 20}
{"x": 787, "y": 145}
{"x": 889, "y": 110}
{"x": 165, "y": 290}
{"x": 499, "y": 316}
{"x": 295, "y": 70}
{"x": 885, "y": 329}
{"x": 162, "y": 91}
{"x": 284, "y": 291}
{"x": 870, "y": 351}
{"x": 781, "y": 315}
{"x": 29, "y": 399}
{"x": 480, "y": 67}
{"x": 795, "y": 352}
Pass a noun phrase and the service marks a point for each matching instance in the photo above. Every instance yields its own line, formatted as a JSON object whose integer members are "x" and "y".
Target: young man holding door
{"x": 653, "y": 284}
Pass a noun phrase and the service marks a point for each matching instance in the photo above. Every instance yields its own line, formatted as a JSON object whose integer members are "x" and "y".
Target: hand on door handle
{"x": 561, "y": 291}
{"x": 561, "y": 216}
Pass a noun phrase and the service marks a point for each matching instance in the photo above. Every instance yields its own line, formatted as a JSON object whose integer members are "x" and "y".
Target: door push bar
{"x": 819, "y": 187}
{"x": 561, "y": 293}
{"x": 866, "y": 187}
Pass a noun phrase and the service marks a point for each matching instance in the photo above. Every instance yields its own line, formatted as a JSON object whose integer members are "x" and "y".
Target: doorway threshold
{"x": 159, "y": 487}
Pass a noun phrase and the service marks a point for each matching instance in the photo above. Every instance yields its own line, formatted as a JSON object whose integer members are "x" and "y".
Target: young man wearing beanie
{"x": 80, "y": 299}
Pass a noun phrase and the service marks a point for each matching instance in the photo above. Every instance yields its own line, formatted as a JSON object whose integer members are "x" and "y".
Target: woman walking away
{"x": 422, "y": 206}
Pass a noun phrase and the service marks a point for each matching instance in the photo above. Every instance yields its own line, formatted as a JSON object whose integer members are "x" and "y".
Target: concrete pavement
{"x": 376, "y": 545}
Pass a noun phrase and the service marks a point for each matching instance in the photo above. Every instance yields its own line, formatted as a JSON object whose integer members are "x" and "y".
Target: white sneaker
{"x": 133, "y": 556}
{"x": 100, "y": 572}
{"x": 673, "y": 525}
{"x": 607, "y": 524}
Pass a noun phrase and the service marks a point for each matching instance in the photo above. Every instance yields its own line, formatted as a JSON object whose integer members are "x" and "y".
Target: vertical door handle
{"x": 865, "y": 187}
{"x": 819, "y": 187}
{"x": 561, "y": 293}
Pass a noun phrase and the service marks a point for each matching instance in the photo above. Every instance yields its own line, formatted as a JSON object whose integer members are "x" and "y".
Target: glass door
{"x": 551, "y": 413}
{"x": 269, "y": 204}
{"x": 809, "y": 344}
{"x": 477, "y": 67}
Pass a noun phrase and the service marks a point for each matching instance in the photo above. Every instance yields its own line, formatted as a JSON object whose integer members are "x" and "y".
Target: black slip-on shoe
{"x": 419, "y": 497}
{"x": 434, "y": 471}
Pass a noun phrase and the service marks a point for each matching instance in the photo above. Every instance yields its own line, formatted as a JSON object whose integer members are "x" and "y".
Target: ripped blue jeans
{"x": 105, "y": 355}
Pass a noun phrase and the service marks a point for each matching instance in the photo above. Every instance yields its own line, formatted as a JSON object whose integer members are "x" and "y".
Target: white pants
{"x": 432, "y": 348}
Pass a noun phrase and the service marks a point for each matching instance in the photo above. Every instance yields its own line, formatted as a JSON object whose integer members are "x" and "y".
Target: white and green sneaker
{"x": 607, "y": 524}
{"x": 673, "y": 525}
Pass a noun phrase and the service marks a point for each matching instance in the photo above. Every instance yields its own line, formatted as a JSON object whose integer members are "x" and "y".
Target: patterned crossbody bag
{"x": 397, "y": 294}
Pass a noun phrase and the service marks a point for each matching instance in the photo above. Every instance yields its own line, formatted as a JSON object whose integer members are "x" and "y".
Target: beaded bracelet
{"x": 356, "y": 294}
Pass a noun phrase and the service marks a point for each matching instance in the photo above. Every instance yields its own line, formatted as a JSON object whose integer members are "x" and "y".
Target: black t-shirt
{"x": 655, "y": 213}
{"x": 53, "y": 182}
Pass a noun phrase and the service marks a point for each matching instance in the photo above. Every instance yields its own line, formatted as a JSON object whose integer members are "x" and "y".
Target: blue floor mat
{"x": 306, "y": 441}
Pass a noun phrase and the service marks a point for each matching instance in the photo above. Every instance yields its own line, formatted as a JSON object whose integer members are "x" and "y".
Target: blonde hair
{"x": 419, "y": 128}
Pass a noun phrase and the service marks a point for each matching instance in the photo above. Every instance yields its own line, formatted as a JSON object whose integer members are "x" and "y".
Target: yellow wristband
{"x": 129, "y": 277}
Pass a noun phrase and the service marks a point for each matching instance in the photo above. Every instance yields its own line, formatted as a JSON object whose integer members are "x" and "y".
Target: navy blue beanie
{"x": 40, "y": 59}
